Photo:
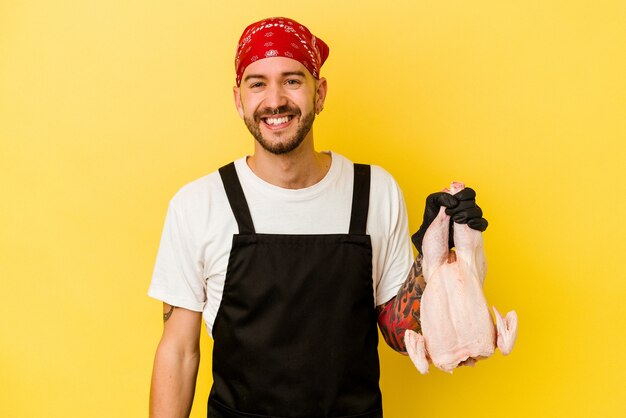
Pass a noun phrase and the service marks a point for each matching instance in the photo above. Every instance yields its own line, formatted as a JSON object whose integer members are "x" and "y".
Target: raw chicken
{"x": 456, "y": 324}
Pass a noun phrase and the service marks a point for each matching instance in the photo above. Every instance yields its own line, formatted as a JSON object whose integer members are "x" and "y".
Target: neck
{"x": 300, "y": 168}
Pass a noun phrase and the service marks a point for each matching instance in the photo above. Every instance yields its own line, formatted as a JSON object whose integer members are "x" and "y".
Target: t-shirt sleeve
{"x": 397, "y": 254}
{"x": 177, "y": 278}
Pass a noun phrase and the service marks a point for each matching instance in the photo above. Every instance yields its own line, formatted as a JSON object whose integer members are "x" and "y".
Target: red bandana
{"x": 280, "y": 37}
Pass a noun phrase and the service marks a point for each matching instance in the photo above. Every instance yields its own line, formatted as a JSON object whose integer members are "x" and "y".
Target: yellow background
{"x": 108, "y": 107}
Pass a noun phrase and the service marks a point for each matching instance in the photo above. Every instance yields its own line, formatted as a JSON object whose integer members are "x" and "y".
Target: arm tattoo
{"x": 403, "y": 311}
{"x": 167, "y": 315}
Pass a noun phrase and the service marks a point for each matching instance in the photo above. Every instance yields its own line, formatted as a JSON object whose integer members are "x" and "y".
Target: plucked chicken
{"x": 457, "y": 328}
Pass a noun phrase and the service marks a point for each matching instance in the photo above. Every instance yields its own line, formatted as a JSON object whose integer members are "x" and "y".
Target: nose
{"x": 275, "y": 97}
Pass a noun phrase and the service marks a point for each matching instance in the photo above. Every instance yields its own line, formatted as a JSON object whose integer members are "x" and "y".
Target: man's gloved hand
{"x": 461, "y": 207}
{"x": 467, "y": 211}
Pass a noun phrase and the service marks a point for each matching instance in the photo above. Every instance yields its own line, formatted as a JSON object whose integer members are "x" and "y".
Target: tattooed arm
{"x": 176, "y": 363}
{"x": 403, "y": 311}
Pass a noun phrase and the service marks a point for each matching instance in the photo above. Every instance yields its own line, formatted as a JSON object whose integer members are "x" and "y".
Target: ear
{"x": 237, "y": 97}
{"x": 320, "y": 95}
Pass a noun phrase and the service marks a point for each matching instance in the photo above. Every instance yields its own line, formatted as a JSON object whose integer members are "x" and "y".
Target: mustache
{"x": 269, "y": 111}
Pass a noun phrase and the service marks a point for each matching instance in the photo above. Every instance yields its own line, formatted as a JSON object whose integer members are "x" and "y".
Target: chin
{"x": 280, "y": 147}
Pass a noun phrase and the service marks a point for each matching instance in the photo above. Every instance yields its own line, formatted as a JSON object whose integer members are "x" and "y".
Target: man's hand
{"x": 461, "y": 207}
{"x": 467, "y": 211}
{"x": 433, "y": 202}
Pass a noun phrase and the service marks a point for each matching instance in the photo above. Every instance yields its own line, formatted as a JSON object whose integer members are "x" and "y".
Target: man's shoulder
{"x": 382, "y": 176}
{"x": 381, "y": 179}
{"x": 379, "y": 174}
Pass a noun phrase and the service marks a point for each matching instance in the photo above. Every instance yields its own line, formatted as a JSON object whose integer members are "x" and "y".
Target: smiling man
{"x": 285, "y": 115}
{"x": 278, "y": 99}
{"x": 292, "y": 256}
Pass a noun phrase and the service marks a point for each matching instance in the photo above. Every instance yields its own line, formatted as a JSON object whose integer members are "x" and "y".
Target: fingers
{"x": 467, "y": 211}
{"x": 466, "y": 194}
{"x": 435, "y": 200}
{"x": 479, "y": 224}
{"x": 461, "y": 207}
{"x": 463, "y": 204}
{"x": 466, "y": 215}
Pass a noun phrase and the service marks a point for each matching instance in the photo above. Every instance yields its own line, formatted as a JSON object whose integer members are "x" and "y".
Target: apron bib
{"x": 295, "y": 334}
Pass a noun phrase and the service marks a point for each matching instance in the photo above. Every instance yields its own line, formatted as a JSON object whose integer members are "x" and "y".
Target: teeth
{"x": 277, "y": 121}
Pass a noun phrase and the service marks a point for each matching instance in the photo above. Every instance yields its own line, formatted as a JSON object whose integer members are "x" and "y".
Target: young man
{"x": 291, "y": 255}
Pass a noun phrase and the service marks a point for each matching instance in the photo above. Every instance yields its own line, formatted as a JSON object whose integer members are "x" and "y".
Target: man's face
{"x": 278, "y": 99}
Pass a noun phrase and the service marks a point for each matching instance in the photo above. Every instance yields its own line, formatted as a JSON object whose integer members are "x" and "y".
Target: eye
{"x": 293, "y": 82}
{"x": 256, "y": 85}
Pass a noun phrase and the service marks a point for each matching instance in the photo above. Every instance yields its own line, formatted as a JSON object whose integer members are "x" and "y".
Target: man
{"x": 291, "y": 255}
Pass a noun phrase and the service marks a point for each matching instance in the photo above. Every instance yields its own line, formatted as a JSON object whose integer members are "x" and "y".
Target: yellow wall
{"x": 108, "y": 107}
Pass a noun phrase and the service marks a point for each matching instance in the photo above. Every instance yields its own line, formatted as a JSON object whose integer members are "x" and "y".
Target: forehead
{"x": 273, "y": 67}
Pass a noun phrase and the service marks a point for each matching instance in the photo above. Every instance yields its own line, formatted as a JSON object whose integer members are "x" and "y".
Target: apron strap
{"x": 360, "y": 199}
{"x": 237, "y": 199}
{"x": 239, "y": 205}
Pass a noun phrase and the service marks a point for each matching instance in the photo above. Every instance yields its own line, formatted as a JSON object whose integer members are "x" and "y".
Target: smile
{"x": 277, "y": 122}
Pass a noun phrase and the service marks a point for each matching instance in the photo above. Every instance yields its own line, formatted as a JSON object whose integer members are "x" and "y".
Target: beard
{"x": 287, "y": 144}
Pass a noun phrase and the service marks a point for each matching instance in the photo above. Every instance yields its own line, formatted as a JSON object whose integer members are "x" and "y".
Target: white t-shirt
{"x": 196, "y": 242}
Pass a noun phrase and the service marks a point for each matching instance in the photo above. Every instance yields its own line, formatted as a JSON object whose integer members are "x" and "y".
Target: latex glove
{"x": 461, "y": 207}
{"x": 467, "y": 211}
{"x": 433, "y": 202}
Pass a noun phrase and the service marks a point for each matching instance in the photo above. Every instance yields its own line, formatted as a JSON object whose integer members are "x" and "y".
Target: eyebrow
{"x": 285, "y": 74}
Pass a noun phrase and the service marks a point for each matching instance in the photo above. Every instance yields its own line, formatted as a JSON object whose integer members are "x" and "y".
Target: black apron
{"x": 295, "y": 334}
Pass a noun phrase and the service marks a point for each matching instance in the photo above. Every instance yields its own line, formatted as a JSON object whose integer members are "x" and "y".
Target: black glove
{"x": 433, "y": 202}
{"x": 467, "y": 211}
{"x": 461, "y": 207}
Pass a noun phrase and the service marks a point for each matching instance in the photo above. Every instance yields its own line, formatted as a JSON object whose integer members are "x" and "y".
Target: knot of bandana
{"x": 280, "y": 37}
